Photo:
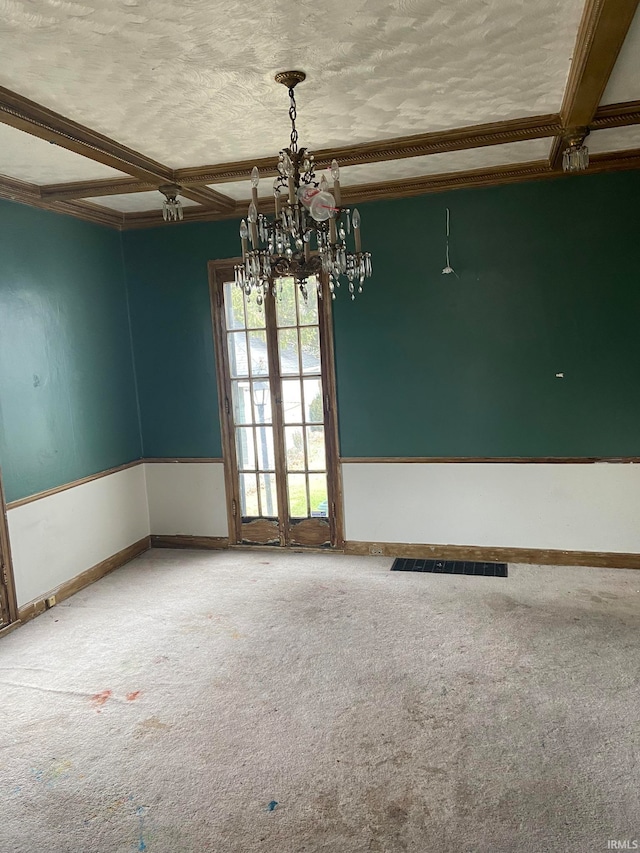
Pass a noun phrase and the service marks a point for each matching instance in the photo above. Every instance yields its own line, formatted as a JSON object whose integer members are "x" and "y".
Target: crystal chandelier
{"x": 171, "y": 206}
{"x": 575, "y": 157}
{"x": 308, "y": 234}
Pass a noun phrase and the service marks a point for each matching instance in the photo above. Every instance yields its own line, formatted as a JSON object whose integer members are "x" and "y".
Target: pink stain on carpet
{"x": 99, "y": 699}
{"x": 133, "y": 696}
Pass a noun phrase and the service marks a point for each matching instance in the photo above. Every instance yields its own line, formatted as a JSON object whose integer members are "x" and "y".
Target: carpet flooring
{"x": 241, "y": 701}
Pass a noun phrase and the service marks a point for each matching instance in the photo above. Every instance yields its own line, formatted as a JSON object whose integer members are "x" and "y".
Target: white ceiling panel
{"x": 190, "y": 82}
{"x": 136, "y": 202}
{"x": 31, "y": 159}
{"x": 411, "y": 167}
{"x": 624, "y": 83}
{"x": 614, "y": 139}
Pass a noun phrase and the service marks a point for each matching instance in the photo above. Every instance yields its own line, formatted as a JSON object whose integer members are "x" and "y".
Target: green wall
{"x": 67, "y": 389}
{"x": 172, "y": 334}
{"x": 428, "y": 364}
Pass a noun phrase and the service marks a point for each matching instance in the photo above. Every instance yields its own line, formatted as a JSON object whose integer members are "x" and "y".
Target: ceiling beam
{"x": 601, "y": 34}
{"x": 26, "y": 193}
{"x": 91, "y": 189}
{"x": 30, "y": 117}
{"x": 26, "y": 115}
{"x": 616, "y": 115}
{"x": 208, "y": 197}
{"x": 358, "y": 194}
{"x": 457, "y": 139}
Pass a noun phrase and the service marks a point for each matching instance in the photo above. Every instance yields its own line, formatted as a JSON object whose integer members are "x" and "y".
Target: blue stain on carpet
{"x": 272, "y": 805}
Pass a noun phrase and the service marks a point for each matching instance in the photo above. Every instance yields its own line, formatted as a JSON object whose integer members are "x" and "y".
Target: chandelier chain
{"x": 293, "y": 115}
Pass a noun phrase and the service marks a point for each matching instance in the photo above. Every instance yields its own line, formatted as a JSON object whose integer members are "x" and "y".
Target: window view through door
{"x": 275, "y": 366}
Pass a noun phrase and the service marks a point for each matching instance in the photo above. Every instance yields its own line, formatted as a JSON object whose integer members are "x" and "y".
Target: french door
{"x": 277, "y": 408}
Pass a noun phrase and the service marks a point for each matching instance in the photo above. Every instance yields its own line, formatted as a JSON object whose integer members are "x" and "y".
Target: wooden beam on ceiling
{"x": 457, "y": 139}
{"x": 601, "y": 34}
{"x": 616, "y": 115}
{"x": 30, "y": 117}
{"x": 27, "y": 193}
{"x": 91, "y": 189}
{"x": 358, "y": 194}
{"x": 26, "y": 115}
{"x": 208, "y": 197}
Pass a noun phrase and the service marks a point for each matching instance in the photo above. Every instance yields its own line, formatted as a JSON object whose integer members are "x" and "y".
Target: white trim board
{"x": 187, "y": 498}
{"x": 582, "y": 507}
{"x": 56, "y": 538}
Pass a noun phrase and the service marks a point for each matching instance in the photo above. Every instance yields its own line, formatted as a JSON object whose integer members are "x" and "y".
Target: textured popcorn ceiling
{"x": 135, "y": 202}
{"x": 29, "y": 158}
{"x": 191, "y": 82}
{"x": 614, "y": 139}
{"x": 411, "y": 167}
{"x": 624, "y": 83}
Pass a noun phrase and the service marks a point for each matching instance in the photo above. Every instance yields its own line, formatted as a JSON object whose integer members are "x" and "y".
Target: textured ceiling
{"x": 191, "y": 82}
{"x": 615, "y": 139}
{"x": 31, "y": 159}
{"x": 624, "y": 83}
{"x": 135, "y": 202}
{"x": 411, "y": 167}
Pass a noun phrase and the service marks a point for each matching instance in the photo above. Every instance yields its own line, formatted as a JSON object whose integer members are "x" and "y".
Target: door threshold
{"x": 296, "y": 549}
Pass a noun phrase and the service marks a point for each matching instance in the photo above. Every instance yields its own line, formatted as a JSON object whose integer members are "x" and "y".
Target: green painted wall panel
{"x": 428, "y": 364}
{"x": 172, "y": 332}
{"x": 67, "y": 389}
{"x": 434, "y": 365}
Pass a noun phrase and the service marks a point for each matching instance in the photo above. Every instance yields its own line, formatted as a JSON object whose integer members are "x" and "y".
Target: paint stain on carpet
{"x": 99, "y": 699}
{"x": 272, "y": 805}
{"x": 131, "y": 697}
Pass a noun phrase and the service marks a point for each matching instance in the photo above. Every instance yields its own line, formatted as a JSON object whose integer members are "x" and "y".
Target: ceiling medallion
{"x": 308, "y": 234}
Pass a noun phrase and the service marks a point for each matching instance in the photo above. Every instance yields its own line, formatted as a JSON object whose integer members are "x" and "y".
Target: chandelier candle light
{"x": 308, "y": 234}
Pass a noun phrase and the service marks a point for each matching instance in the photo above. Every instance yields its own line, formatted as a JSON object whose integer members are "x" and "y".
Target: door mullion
{"x": 277, "y": 416}
{"x": 332, "y": 446}
{"x": 218, "y": 274}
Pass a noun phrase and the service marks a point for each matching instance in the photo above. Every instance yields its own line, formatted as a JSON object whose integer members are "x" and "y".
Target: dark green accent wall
{"x": 67, "y": 389}
{"x": 172, "y": 333}
{"x": 428, "y": 364}
{"x": 549, "y": 282}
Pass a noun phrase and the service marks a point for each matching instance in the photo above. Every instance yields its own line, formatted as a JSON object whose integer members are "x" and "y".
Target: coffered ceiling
{"x": 104, "y": 100}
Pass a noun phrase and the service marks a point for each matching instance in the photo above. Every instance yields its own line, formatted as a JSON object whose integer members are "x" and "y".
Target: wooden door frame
{"x": 6, "y": 563}
{"x": 221, "y": 271}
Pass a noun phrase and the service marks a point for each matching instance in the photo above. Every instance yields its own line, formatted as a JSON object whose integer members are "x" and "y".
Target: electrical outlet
{"x": 376, "y": 550}
{"x": 50, "y": 601}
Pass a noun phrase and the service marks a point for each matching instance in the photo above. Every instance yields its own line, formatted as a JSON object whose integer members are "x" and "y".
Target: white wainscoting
{"x": 55, "y": 538}
{"x": 578, "y": 507}
{"x": 187, "y": 498}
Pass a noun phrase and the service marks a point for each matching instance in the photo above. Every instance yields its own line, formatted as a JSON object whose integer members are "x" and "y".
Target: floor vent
{"x": 450, "y": 567}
